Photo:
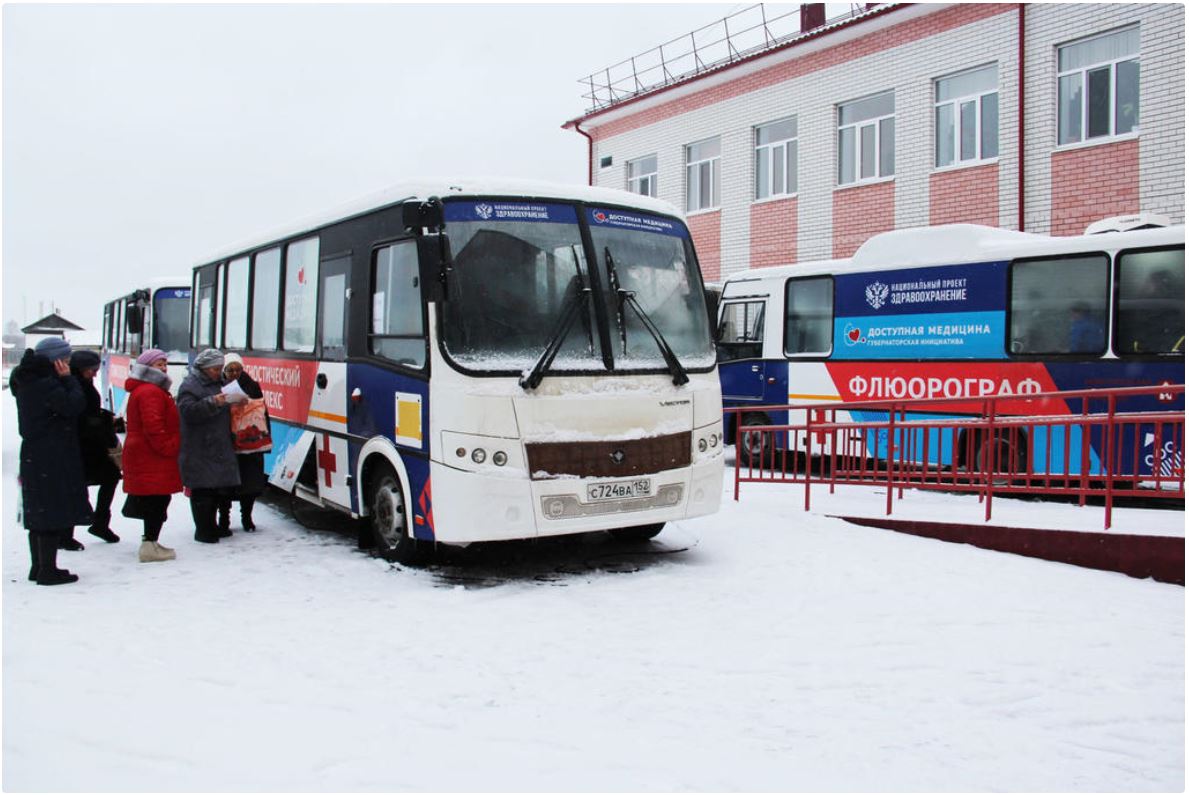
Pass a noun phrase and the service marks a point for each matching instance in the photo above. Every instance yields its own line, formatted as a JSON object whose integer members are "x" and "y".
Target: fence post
{"x": 991, "y": 446}
{"x": 890, "y": 456}
{"x": 1109, "y": 462}
{"x": 738, "y": 453}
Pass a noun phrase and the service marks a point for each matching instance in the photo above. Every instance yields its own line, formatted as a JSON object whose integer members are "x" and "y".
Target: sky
{"x": 140, "y": 139}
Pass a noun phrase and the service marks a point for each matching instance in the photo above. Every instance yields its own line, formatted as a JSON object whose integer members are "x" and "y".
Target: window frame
{"x": 247, "y": 260}
{"x": 858, "y": 127}
{"x": 714, "y": 172}
{"x": 1105, "y": 305}
{"x": 833, "y": 313}
{"x": 649, "y": 177}
{"x": 956, "y": 103}
{"x": 760, "y": 322}
{"x": 373, "y": 258}
{"x": 252, "y": 327}
{"x": 315, "y": 280}
{"x": 1116, "y": 274}
{"x": 790, "y": 163}
{"x": 1084, "y": 138}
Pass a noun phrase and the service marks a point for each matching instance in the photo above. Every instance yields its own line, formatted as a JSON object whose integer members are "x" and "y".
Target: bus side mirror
{"x": 433, "y": 258}
{"x": 418, "y": 215}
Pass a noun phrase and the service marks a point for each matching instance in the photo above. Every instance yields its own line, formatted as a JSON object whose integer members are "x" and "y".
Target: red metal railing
{"x": 992, "y": 445}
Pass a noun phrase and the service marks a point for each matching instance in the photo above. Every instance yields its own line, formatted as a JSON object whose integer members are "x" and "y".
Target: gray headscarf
{"x": 211, "y": 357}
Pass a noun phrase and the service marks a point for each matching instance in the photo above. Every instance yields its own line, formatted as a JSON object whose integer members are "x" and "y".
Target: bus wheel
{"x": 1006, "y": 457}
{"x": 756, "y": 444}
{"x": 644, "y": 532}
{"x": 390, "y": 526}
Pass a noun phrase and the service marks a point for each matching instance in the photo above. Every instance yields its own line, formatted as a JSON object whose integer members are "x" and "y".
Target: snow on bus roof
{"x": 453, "y": 188}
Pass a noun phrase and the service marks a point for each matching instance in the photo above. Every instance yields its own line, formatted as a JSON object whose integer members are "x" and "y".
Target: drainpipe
{"x": 589, "y": 153}
{"x": 1020, "y": 123}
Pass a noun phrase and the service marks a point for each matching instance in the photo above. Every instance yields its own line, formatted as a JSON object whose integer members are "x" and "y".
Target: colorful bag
{"x": 249, "y": 426}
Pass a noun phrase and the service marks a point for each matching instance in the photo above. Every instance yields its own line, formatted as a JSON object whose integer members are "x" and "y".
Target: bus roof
{"x": 449, "y": 189}
{"x": 954, "y": 244}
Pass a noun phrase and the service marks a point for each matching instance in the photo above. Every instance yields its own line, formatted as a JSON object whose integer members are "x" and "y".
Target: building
{"x": 800, "y": 145}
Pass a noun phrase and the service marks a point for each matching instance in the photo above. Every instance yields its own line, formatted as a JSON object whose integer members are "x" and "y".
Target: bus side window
{"x": 809, "y": 316}
{"x": 397, "y": 329}
{"x": 266, "y": 294}
{"x": 1151, "y": 308}
{"x": 301, "y": 295}
{"x": 204, "y": 309}
{"x": 235, "y": 323}
{"x": 1058, "y": 305}
{"x": 741, "y": 331}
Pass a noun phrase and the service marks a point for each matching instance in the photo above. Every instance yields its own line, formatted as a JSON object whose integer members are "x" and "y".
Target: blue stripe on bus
{"x": 974, "y": 287}
{"x": 519, "y": 212}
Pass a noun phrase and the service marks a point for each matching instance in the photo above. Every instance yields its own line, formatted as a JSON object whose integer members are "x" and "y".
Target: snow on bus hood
{"x": 604, "y": 416}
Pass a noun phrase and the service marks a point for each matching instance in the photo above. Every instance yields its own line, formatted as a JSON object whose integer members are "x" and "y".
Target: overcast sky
{"x": 140, "y": 139}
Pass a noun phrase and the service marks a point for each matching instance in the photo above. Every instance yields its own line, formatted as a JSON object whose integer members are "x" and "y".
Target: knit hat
{"x": 232, "y": 358}
{"x": 211, "y": 357}
{"x": 53, "y": 348}
{"x": 84, "y": 360}
{"x": 151, "y": 355}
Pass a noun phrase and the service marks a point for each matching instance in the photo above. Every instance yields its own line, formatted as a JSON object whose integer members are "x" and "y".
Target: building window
{"x": 867, "y": 139}
{"x": 642, "y": 176}
{"x": 1059, "y": 305}
{"x": 776, "y": 159}
{"x": 701, "y": 174}
{"x": 1098, "y": 87}
{"x": 966, "y": 112}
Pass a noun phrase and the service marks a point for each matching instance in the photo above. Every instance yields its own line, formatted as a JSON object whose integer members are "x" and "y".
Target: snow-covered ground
{"x": 764, "y": 648}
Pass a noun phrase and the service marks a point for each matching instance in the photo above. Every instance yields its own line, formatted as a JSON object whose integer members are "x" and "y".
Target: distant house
{"x": 51, "y": 325}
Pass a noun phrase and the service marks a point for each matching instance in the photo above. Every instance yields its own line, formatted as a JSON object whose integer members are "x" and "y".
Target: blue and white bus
{"x": 956, "y": 311}
{"x": 467, "y": 362}
{"x": 154, "y": 316}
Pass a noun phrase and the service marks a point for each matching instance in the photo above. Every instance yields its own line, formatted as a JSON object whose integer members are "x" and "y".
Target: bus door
{"x": 741, "y": 367}
{"x": 328, "y": 406}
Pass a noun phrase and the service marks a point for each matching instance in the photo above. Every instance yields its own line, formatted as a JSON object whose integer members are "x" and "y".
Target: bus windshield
{"x": 517, "y": 265}
{"x": 171, "y": 322}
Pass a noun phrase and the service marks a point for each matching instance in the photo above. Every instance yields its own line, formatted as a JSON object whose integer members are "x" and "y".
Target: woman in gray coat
{"x": 207, "y": 458}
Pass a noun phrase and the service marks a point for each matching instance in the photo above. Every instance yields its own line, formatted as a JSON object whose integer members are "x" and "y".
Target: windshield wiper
{"x": 628, "y": 297}
{"x": 532, "y": 379}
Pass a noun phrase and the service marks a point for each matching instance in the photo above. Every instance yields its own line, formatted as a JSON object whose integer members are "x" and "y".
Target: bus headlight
{"x": 714, "y": 440}
{"x": 479, "y": 455}
{"x": 702, "y": 445}
{"x": 500, "y": 458}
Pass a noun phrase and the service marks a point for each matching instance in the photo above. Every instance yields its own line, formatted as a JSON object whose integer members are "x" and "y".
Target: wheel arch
{"x": 376, "y": 452}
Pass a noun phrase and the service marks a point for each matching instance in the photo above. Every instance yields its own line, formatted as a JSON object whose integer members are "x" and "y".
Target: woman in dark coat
{"x": 53, "y": 488}
{"x": 151, "y": 475}
{"x": 96, "y": 437}
{"x": 252, "y": 479}
{"x": 207, "y": 459}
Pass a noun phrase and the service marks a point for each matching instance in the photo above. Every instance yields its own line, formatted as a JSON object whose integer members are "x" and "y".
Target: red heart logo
{"x": 853, "y": 334}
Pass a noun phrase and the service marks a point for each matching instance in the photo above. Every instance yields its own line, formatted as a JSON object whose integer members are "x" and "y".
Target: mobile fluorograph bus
{"x": 154, "y": 316}
{"x": 473, "y": 362}
{"x": 957, "y": 311}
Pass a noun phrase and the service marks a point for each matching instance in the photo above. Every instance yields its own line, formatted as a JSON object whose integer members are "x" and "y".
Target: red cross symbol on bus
{"x": 327, "y": 459}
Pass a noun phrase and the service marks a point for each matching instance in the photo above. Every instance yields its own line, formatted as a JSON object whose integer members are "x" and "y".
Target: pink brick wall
{"x": 965, "y": 196}
{"x": 860, "y": 213}
{"x": 773, "y": 233}
{"x": 706, "y": 229}
{"x": 1093, "y": 183}
{"x": 893, "y": 36}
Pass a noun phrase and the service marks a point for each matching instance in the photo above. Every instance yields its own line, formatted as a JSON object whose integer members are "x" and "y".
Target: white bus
{"x": 465, "y": 362}
{"x": 154, "y": 316}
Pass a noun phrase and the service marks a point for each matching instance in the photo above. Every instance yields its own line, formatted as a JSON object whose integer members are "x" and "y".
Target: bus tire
{"x": 755, "y": 448}
{"x": 390, "y": 525}
{"x": 1007, "y": 456}
{"x": 637, "y": 535}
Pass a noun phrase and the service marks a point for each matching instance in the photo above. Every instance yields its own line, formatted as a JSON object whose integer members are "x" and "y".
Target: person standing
{"x": 53, "y": 488}
{"x": 151, "y": 476}
{"x": 250, "y": 456}
{"x": 207, "y": 457}
{"x": 97, "y": 438}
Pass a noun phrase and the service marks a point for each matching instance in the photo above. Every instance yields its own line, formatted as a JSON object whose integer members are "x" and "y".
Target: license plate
{"x": 619, "y": 490}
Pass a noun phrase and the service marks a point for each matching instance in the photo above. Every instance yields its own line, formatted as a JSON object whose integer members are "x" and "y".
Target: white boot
{"x": 151, "y": 551}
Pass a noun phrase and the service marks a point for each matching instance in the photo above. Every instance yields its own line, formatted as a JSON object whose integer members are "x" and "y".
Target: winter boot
{"x": 225, "y": 519}
{"x": 49, "y": 573}
{"x": 100, "y": 527}
{"x": 245, "y": 515}
{"x": 151, "y": 551}
{"x": 35, "y": 556}
{"x": 66, "y": 541}
{"x": 203, "y": 510}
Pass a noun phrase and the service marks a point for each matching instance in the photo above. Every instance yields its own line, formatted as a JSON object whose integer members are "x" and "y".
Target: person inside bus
{"x": 1087, "y": 334}
{"x": 207, "y": 458}
{"x": 151, "y": 476}
{"x": 97, "y": 438}
{"x": 53, "y": 487}
{"x": 252, "y": 479}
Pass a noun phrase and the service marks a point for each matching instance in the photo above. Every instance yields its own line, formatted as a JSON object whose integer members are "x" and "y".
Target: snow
{"x": 765, "y": 648}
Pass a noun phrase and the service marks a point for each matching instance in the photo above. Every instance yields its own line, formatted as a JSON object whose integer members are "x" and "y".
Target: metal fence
{"x": 994, "y": 445}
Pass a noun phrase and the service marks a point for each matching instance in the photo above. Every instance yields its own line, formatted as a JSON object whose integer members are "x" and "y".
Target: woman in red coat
{"x": 151, "y": 473}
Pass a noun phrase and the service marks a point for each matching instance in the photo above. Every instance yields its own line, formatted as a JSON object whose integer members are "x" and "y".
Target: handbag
{"x": 117, "y": 455}
{"x": 249, "y": 426}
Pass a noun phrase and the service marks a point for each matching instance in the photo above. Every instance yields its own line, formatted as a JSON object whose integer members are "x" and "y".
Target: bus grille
{"x": 627, "y": 458}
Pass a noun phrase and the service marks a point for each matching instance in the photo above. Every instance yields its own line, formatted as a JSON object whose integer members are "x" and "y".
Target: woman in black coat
{"x": 96, "y": 436}
{"x": 252, "y": 479}
{"x": 53, "y": 487}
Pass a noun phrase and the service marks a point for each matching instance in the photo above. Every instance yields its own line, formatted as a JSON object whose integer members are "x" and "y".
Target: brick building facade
{"x": 908, "y": 115}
